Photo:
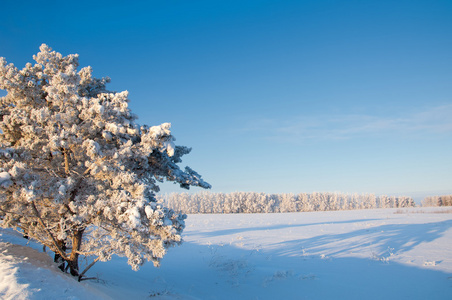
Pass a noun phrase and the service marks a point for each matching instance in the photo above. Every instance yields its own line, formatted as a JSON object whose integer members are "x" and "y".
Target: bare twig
{"x": 86, "y": 269}
{"x": 88, "y": 278}
{"x": 66, "y": 162}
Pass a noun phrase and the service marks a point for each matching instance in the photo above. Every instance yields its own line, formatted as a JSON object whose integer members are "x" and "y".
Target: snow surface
{"x": 5, "y": 179}
{"x": 364, "y": 254}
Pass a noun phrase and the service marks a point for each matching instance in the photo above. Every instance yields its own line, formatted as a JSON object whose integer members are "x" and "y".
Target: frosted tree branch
{"x": 73, "y": 156}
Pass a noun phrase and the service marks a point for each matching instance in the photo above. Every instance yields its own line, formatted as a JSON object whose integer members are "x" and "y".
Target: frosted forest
{"x": 252, "y": 202}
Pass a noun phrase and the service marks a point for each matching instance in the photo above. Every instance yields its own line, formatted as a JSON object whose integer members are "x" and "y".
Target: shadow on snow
{"x": 398, "y": 237}
{"x": 275, "y": 227}
{"x": 194, "y": 271}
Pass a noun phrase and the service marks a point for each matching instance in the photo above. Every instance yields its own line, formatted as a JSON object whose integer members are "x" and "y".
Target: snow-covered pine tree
{"x": 76, "y": 170}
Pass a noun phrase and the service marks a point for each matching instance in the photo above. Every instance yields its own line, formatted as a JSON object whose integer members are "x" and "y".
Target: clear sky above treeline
{"x": 273, "y": 96}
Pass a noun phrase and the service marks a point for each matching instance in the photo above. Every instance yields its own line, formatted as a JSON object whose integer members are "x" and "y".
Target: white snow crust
{"x": 363, "y": 254}
{"x": 5, "y": 179}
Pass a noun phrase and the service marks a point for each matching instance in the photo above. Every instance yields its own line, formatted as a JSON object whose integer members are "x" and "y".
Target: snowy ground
{"x": 366, "y": 254}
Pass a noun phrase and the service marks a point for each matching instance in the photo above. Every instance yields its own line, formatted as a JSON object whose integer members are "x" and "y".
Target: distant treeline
{"x": 252, "y": 202}
{"x": 445, "y": 200}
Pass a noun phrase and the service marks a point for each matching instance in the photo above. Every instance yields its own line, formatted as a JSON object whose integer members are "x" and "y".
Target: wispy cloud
{"x": 433, "y": 121}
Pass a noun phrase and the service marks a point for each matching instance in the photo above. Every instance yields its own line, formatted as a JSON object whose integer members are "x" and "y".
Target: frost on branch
{"x": 77, "y": 172}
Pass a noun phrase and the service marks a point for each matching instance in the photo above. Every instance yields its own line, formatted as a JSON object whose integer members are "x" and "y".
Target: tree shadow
{"x": 274, "y": 227}
{"x": 398, "y": 237}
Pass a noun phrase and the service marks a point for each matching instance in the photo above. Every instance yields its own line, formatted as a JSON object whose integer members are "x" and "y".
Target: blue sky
{"x": 273, "y": 96}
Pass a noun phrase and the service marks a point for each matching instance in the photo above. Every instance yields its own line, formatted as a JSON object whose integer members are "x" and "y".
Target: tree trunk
{"x": 58, "y": 258}
{"x": 73, "y": 259}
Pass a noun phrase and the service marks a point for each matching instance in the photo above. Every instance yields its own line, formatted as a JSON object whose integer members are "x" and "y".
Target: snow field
{"x": 364, "y": 254}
